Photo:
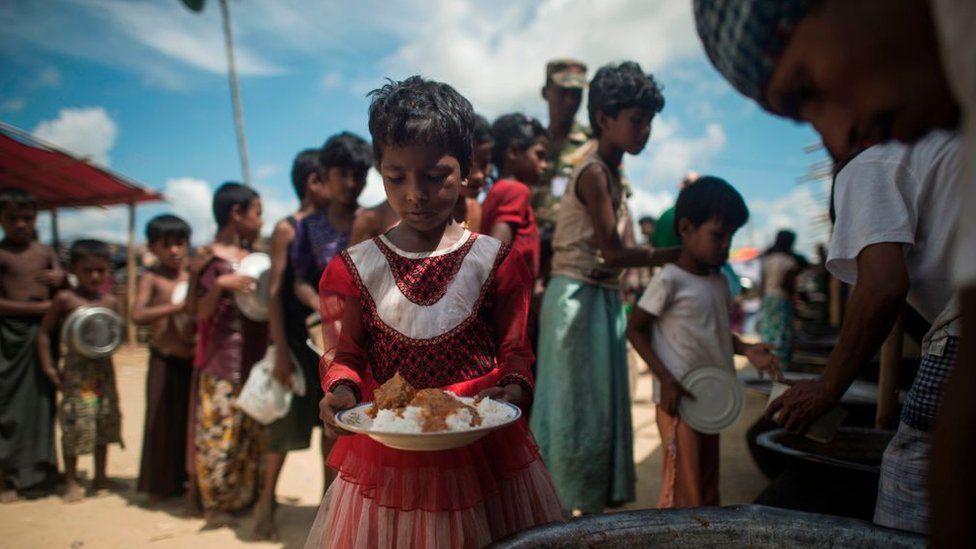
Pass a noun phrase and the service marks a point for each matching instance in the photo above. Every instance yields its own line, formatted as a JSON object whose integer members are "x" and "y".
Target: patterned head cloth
{"x": 745, "y": 38}
{"x": 566, "y": 73}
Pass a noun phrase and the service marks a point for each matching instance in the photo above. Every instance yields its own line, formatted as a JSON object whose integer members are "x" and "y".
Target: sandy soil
{"x": 125, "y": 519}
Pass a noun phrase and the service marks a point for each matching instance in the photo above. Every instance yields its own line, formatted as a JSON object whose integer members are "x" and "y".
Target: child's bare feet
{"x": 9, "y": 496}
{"x": 105, "y": 483}
{"x": 73, "y": 492}
{"x": 216, "y": 519}
{"x": 264, "y": 525}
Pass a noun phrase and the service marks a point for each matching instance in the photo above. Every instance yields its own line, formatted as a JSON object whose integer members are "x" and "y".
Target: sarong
{"x": 89, "y": 411}
{"x": 228, "y": 447}
{"x": 775, "y": 326}
{"x": 161, "y": 470}
{"x": 581, "y": 412}
{"x": 27, "y": 454}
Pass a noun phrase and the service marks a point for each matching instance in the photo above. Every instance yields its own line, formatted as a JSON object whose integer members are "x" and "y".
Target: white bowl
{"x": 357, "y": 421}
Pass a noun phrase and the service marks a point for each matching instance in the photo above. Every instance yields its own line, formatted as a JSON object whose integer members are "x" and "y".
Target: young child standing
{"x": 227, "y": 442}
{"x": 468, "y": 209}
{"x": 685, "y": 311}
{"x": 161, "y": 471}
{"x": 519, "y": 152}
{"x": 89, "y": 410}
{"x": 333, "y": 192}
{"x": 581, "y": 412}
{"x": 443, "y": 307}
{"x": 29, "y": 276}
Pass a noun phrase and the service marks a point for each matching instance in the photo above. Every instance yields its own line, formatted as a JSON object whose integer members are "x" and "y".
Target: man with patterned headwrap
{"x": 864, "y": 72}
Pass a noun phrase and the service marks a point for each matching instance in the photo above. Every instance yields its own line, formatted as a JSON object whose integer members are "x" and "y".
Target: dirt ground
{"x": 125, "y": 519}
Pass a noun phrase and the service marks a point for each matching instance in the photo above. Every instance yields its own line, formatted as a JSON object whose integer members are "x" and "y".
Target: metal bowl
{"x": 254, "y": 305}
{"x": 92, "y": 332}
{"x": 715, "y": 527}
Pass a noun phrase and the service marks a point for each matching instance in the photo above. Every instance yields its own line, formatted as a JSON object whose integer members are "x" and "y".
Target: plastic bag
{"x": 262, "y": 397}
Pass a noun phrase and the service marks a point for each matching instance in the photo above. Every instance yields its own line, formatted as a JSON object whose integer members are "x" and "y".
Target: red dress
{"x": 453, "y": 319}
{"x": 509, "y": 201}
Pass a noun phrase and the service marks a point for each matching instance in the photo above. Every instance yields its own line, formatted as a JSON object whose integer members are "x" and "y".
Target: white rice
{"x": 492, "y": 414}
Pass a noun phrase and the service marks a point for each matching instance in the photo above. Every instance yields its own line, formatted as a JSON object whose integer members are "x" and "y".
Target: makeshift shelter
{"x": 62, "y": 180}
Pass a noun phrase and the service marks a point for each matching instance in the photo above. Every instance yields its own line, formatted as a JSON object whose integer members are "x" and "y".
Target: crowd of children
{"x": 432, "y": 284}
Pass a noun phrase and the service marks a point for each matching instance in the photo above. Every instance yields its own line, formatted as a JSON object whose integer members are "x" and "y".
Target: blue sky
{"x": 140, "y": 86}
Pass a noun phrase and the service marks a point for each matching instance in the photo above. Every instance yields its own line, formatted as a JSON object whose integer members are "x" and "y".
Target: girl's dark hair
{"x": 418, "y": 111}
{"x": 18, "y": 198}
{"x": 514, "y": 129}
{"x": 783, "y": 243}
{"x": 482, "y": 130}
{"x": 228, "y": 195}
{"x": 709, "y": 198}
{"x": 623, "y": 86}
{"x": 166, "y": 226}
{"x": 346, "y": 150}
{"x": 305, "y": 164}
{"x": 87, "y": 247}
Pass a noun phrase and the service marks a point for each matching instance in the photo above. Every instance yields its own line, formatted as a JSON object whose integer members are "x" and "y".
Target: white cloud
{"x": 14, "y": 104}
{"x": 331, "y": 80}
{"x": 495, "y": 53}
{"x": 87, "y": 131}
{"x": 373, "y": 193}
{"x": 191, "y": 199}
{"x": 265, "y": 171}
{"x": 802, "y": 210}
{"x": 643, "y": 202}
{"x": 108, "y": 224}
{"x": 49, "y": 77}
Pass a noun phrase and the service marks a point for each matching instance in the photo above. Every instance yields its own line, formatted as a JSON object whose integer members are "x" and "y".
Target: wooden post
{"x": 887, "y": 414}
{"x": 130, "y": 279}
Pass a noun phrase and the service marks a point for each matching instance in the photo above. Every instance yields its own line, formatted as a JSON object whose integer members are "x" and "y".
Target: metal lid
{"x": 93, "y": 332}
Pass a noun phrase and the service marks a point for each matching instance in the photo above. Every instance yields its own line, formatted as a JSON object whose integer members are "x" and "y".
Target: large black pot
{"x": 719, "y": 527}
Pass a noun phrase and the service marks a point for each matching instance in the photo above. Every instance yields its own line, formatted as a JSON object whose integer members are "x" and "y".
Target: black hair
{"x": 623, "y": 86}
{"x": 711, "y": 197}
{"x": 228, "y": 195}
{"x": 346, "y": 150}
{"x": 305, "y": 164}
{"x": 482, "y": 130}
{"x": 419, "y": 111}
{"x": 647, "y": 219}
{"x": 785, "y": 239}
{"x": 514, "y": 129}
{"x": 166, "y": 226}
{"x": 87, "y": 247}
{"x": 18, "y": 198}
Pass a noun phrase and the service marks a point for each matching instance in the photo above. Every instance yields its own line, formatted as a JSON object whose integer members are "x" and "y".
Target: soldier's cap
{"x": 566, "y": 73}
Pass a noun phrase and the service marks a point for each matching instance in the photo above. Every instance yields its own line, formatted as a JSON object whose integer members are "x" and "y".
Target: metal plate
{"x": 254, "y": 305}
{"x": 718, "y": 399}
{"x": 93, "y": 332}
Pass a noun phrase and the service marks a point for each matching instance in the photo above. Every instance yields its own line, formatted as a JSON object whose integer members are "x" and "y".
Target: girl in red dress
{"x": 445, "y": 308}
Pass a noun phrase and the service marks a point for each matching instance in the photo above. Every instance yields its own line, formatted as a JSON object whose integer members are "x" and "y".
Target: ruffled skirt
{"x": 466, "y": 497}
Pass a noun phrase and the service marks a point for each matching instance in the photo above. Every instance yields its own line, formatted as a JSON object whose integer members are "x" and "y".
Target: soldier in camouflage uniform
{"x": 569, "y": 143}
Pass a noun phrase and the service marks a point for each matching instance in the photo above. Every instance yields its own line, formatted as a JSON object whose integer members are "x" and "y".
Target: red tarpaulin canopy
{"x": 59, "y": 179}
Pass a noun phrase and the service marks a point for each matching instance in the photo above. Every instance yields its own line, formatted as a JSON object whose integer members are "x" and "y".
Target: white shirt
{"x": 692, "y": 326}
{"x": 907, "y": 194}
{"x": 954, "y": 20}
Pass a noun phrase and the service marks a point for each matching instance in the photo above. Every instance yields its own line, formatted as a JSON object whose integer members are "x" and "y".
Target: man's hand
{"x": 512, "y": 393}
{"x": 762, "y": 357}
{"x": 50, "y": 277}
{"x": 335, "y": 401}
{"x": 283, "y": 367}
{"x": 801, "y": 405}
{"x": 237, "y": 283}
{"x": 671, "y": 394}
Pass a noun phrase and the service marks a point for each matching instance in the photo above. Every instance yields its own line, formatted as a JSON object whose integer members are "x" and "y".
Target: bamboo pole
{"x": 887, "y": 413}
{"x": 55, "y": 233}
{"x": 130, "y": 279}
{"x": 235, "y": 93}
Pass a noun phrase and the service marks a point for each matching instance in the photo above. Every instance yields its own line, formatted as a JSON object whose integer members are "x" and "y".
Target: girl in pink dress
{"x": 445, "y": 308}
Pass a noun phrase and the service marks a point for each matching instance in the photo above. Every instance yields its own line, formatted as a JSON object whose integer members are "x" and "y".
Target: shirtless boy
{"x": 372, "y": 222}
{"x": 89, "y": 411}
{"x": 29, "y": 273}
{"x": 162, "y": 472}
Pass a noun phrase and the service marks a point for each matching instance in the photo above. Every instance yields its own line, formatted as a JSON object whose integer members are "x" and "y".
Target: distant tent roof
{"x": 59, "y": 179}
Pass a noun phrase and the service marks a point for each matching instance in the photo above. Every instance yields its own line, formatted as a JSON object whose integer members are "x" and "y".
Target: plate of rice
{"x": 425, "y": 420}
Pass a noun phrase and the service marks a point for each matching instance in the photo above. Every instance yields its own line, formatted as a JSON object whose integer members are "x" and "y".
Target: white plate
{"x": 254, "y": 305}
{"x": 718, "y": 399}
{"x": 179, "y": 292}
{"x": 357, "y": 421}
